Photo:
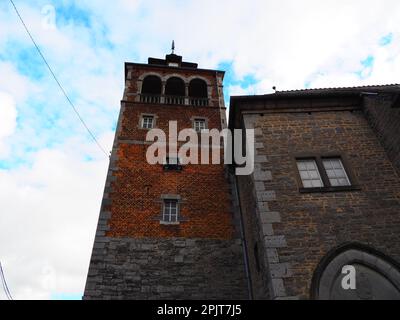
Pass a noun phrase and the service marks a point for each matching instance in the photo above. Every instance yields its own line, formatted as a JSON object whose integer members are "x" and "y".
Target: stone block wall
{"x": 299, "y": 228}
{"x": 175, "y": 268}
{"x": 384, "y": 118}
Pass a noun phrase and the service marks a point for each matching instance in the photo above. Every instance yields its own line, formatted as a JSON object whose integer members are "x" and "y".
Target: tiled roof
{"x": 357, "y": 89}
{"x": 245, "y": 101}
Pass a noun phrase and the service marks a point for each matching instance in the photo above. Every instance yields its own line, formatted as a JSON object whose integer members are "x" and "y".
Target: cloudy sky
{"x": 52, "y": 174}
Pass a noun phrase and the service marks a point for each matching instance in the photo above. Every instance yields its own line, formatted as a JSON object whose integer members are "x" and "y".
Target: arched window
{"x": 151, "y": 85}
{"x": 198, "y": 88}
{"x": 175, "y": 87}
{"x": 198, "y": 92}
{"x": 151, "y": 89}
{"x": 175, "y": 91}
{"x": 372, "y": 275}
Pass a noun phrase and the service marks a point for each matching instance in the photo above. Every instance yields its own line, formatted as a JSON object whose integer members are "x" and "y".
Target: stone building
{"x": 325, "y": 192}
{"x": 166, "y": 231}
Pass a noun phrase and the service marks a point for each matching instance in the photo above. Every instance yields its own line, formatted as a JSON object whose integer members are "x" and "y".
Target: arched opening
{"x": 356, "y": 272}
{"x": 198, "y": 92}
{"x": 175, "y": 91}
{"x": 151, "y": 89}
{"x": 198, "y": 88}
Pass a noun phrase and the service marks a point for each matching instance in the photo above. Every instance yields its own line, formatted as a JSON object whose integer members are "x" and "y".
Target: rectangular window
{"x": 172, "y": 163}
{"x": 309, "y": 173}
{"x": 147, "y": 122}
{"x": 172, "y": 160}
{"x": 336, "y": 173}
{"x": 199, "y": 124}
{"x": 170, "y": 211}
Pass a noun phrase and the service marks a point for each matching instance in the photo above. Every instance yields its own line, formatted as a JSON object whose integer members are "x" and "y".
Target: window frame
{"x": 318, "y": 158}
{"x": 343, "y": 167}
{"x": 318, "y": 170}
{"x": 170, "y": 215}
{"x": 199, "y": 120}
{"x": 144, "y": 118}
{"x": 172, "y": 166}
{"x": 147, "y": 115}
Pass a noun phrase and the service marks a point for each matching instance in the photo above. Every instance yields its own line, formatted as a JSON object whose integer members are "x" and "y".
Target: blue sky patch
{"x": 368, "y": 62}
{"x": 386, "y": 40}
{"x": 367, "y": 67}
{"x": 66, "y": 296}
{"x": 29, "y": 63}
{"x": 231, "y": 79}
{"x": 70, "y": 13}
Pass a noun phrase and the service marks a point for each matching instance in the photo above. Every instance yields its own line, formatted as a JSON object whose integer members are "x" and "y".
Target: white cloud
{"x": 50, "y": 207}
{"x": 8, "y": 119}
{"x": 48, "y": 219}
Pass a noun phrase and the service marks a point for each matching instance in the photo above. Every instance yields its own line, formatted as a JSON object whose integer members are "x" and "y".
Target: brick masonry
{"x": 135, "y": 255}
{"x": 384, "y": 119}
{"x": 294, "y": 230}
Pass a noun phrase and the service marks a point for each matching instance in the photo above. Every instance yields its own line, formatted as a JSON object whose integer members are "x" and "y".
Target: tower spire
{"x": 173, "y": 46}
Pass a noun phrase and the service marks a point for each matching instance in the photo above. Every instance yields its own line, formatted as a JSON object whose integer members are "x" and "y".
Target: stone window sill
{"x": 170, "y": 223}
{"x": 172, "y": 167}
{"x": 330, "y": 189}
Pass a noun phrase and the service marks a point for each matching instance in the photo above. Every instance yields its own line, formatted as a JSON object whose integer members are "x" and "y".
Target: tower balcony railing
{"x": 150, "y": 98}
{"x": 198, "y": 102}
{"x": 169, "y": 99}
{"x": 174, "y": 99}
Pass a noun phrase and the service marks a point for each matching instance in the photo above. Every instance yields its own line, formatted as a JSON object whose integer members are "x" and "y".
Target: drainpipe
{"x": 236, "y": 195}
{"x": 243, "y": 236}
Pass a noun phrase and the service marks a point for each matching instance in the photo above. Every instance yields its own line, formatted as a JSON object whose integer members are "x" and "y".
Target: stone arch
{"x": 198, "y": 88}
{"x": 174, "y": 75}
{"x": 377, "y": 275}
{"x": 175, "y": 86}
{"x": 206, "y": 80}
{"x": 199, "y": 77}
{"x": 151, "y": 85}
{"x": 141, "y": 78}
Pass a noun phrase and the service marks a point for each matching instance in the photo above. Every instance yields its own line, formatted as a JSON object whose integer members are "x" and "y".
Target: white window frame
{"x": 198, "y": 121}
{"x": 145, "y": 117}
{"x": 309, "y": 173}
{"x": 170, "y": 214}
{"x": 336, "y": 172}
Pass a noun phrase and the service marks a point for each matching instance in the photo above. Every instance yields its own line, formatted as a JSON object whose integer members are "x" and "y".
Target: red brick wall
{"x": 132, "y": 84}
{"x": 136, "y": 193}
{"x": 165, "y": 113}
{"x": 203, "y": 188}
{"x": 136, "y": 257}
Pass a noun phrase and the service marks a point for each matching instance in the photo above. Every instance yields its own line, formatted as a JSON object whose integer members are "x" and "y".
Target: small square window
{"x": 199, "y": 124}
{"x": 172, "y": 163}
{"x": 336, "y": 173}
{"x": 309, "y": 173}
{"x": 147, "y": 122}
{"x": 170, "y": 211}
{"x": 172, "y": 160}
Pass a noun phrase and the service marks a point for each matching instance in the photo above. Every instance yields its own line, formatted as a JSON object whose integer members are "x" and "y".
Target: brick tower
{"x": 166, "y": 231}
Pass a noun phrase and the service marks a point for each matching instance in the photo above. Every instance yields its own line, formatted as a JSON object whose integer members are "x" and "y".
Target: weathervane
{"x": 173, "y": 46}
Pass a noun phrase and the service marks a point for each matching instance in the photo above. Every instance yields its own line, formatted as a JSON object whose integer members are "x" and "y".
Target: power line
{"x": 58, "y": 82}
{"x": 4, "y": 282}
